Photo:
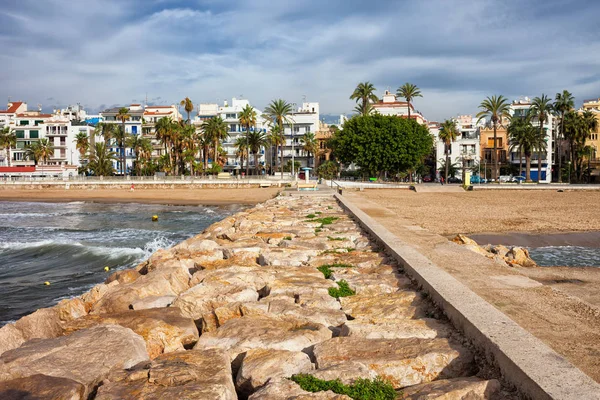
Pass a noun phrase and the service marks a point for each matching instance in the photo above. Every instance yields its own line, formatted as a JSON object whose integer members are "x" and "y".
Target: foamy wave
{"x": 105, "y": 251}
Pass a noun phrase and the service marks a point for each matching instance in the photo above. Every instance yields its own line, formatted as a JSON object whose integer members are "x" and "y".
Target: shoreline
{"x": 589, "y": 238}
{"x": 179, "y": 196}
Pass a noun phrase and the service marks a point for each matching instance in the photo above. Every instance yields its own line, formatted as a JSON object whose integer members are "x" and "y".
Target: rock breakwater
{"x": 236, "y": 311}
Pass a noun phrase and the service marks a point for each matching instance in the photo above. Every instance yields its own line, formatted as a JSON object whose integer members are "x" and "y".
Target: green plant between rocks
{"x": 343, "y": 290}
{"x": 331, "y": 238}
{"x": 318, "y": 213}
{"x": 361, "y": 389}
{"x": 326, "y": 220}
{"x": 287, "y": 238}
{"x": 326, "y": 269}
{"x": 318, "y": 230}
{"x": 310, "y": 216}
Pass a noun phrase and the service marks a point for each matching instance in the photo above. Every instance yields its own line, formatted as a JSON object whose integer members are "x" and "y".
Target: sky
{"x": 103, "y": 53}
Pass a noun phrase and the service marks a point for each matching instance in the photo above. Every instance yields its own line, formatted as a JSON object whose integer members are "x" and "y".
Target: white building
{"x": 303, "y": 120}
{"x": 466, "y": 146}
{"x": 133, "y": 126}
{"x": 389, "y": 105}
{"x": 151, "y": 115}
{"x": 521, "y": 108}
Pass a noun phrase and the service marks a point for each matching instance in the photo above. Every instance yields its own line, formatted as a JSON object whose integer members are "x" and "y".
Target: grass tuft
{"x": 326, "y": 271}
{"x": 287, "y": 238}
{"x": 361, "y": 389}
{"x": 311, "y": 216}
{"x": 336, "y": 238}
{"x": 343, "y": 290}
{"x": 326, "y": 220}
{"x": 318, "y": 230}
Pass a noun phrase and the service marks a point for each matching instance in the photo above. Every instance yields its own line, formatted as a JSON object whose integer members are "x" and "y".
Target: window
{"x": 296, "y": 129}
{"x": 20, "y": 134}
{"x": 37, "y": 122}
{"x": 232, "y": 127}
{"x": 230, "y": 116}
{"x": 34, "y": 134}
{"x": 134, "y": 130}
{"x": 24, "y": 122}
{"x": 308, "y": 128}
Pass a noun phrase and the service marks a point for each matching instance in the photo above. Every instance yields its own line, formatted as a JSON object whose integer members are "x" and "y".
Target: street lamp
{"x": 292, "y": 136}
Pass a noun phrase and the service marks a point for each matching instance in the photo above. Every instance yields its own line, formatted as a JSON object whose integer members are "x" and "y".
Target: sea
{"x": 70, "y": 244}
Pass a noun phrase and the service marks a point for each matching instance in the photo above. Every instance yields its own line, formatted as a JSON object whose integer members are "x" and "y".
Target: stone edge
{"x": 526, "y": 362}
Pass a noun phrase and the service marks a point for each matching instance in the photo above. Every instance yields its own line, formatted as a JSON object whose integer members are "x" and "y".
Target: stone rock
{"x": 295, "y": 285}
{"x": 371, "y": 283}
{"x": 384, "y": 308}
{"x": 462, "y": 239}
{"x": 346, "y": 372}
{"x": 500, "y": 250}
{"x": 43, "y": 323}
{"x": 211, "y": 321}
{"x": 164, "y": 330}
{"x": 124, "y": 276}
{"x": 205, "y": 297}
{"x": 319, "y": 300}
{"x": 520, "y": 256}
{"x": 152, "y": 302}
{"x": 192, "y": 374}
{"x": 253, "y": 277}
{"x": 10, "y": 338}
{"x": 478, "y": 249}
{"x": 261, "y": 365}
{"x": 92, "y": 296}
{"x": 424, "y": 328}
{"x": 194, "y": 245}
{"x": 453, "y": 389}
{"x": 263, "y": 332}
{"x": 279, "y": 256}
{"x": 41, "y": 387}
{"x": 85, "y": 356}
{"x": 284, "y": 389}
{"x": 283, "y": 308}
{"x": 404, "y": 362}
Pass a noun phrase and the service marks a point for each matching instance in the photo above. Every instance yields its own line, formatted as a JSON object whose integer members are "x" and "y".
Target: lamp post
{"x": 569, "y": 166}
{"x": 292, "y": 136}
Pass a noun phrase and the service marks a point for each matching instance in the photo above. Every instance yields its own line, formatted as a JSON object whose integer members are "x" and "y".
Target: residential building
{"x": 389, "y": 105}
{"x": 594, "y": 139}
{"x": 465, "y": 150}
{"x": 303, "y": 120}
{"x": 520, "y": 108}
{"x": 133, "y": 126}
{"x": 324, "y": 133}
{"x": 151, "y": 115}
{"x": 12, "y": 109}
{"x": 486, "y": 143}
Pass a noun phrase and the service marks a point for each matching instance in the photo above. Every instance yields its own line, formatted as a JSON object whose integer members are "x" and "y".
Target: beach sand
{"x": 177, "y": 196}
{"x": 533, "y": 211}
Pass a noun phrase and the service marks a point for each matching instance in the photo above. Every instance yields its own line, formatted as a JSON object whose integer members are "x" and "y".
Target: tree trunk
{"x": 123, "y": 166}
{"x": 520, "y": 160}
{"x": 256, "y": 163}
{"x": 559, "y": 146}
{"x": 527, "y": 168}
{"x": 216, "y": 152}
{"x": 8, "y": 155}
{"x": 248, "y": 160}
{"x": 447, "y": 163}
{"x": 281, "y": 164}
{"x": 539, "y": 179}
{"x": 408, "y": 102}
{"x": 495, "y": 159}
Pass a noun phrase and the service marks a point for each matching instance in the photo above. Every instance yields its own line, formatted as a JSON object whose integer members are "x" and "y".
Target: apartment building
{"x": 389, "y": 105}
{"x": 594, "y": 139}
{"x": 150, "y": 116}
{"x": 133, "y": 126}
{"x": 466, "y": 149}
{"x": 303, "y": 120}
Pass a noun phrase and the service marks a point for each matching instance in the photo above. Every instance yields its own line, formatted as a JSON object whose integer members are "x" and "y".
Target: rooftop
{"x": 12, "y": 107}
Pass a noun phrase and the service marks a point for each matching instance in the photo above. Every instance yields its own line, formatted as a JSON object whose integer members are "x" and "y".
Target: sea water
{"x": 566, "y": 256}
{"x": 70, "y": 244}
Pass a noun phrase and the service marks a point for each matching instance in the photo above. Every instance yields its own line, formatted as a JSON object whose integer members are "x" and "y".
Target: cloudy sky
{"x": 106, "y": 52}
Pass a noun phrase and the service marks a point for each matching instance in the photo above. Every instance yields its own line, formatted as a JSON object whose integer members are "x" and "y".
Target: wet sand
{"x": 177, "y": 196}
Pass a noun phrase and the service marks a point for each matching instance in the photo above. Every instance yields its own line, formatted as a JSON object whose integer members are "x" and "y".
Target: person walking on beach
{"x": 442, "y": 180}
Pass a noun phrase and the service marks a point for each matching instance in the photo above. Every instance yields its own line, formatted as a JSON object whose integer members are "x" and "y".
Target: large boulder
{"x": 281, "y": 307}
{"x": 347, "y": 372}
{"x": 261, "y": 365}
{"x": 10, "y": 338}
{"x": 285, "y": 389}
{"x": 520, "y": 257}
{"x": 41, "y": 387}
{"x": 299, "y": 284}
{"x": 424, "y": 328}
{"x": 152, "y": 302}
{"x": 264, "y": 332}
{"x": 164, "y": 330}
{"x": 404, "y": 362}
{"x": 453, "y": 389}
{"x": 280, "y": 256}
{"x": 404, "y": 304}
{"x": 371, "y": 283}
{"x": 192, "y": 374}
{"x": 85, "y": 356}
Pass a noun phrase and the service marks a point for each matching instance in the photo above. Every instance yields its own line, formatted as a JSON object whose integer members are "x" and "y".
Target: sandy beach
{"x": 504, "y": 211}
{"x": 177, "y": 196}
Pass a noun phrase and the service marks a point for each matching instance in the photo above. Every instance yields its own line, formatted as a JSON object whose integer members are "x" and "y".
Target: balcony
{"x": 56, "y": 132}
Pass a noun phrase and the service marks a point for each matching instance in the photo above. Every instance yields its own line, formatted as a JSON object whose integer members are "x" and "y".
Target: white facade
{"x": 133, "y": 126}
{"x": 389, "y": 105}
{"x": 465, "y": 148}
{"x": 302, "y": 120}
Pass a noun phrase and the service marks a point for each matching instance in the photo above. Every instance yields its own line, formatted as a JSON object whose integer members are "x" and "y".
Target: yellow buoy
{"x": 107, "y": 269}
{"x": 47, "y": 283}
{"x": 155, "y": 218}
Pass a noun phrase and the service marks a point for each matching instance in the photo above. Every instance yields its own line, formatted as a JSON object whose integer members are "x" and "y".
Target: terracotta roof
{"x": 16, "y": 169}
{"x": 34, "y": 116}
{"x": 159, "y": 106}
{"x": 13, "y": 108}
{"x": 135, "y": 104}
{"x": 392, "y": 104}
{"x": 156, "y": 113}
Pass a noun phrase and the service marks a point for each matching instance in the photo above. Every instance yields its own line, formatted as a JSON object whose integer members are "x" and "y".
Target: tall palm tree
{"x": 8, "y": 140}
{"x": 123, "y": 115}
{"x": 82, "y": 143}
{"x": 247, "y": 119}
{"x": 216, "y": 129}
{"x": 138, "y": 144}
{"x": 563, "y": 103}
{"x": 523, "y": 136}
{"x": 40, "y": 150}
{"x": 310, "y": 145}
{"x": 448, "y": 133}
{"x": 120, "y": 137}
{"x": 101, "y": 159}
{"x": 145, "y": 154}
{"x": 495, "y": 108}
{"x": 276, "y": 139}
{"x": 409, "y": 92}
{"x": 189, "y": 145}
{"x": 541, "y": 108}
{"x": 164, "y": 134}
{"x": 277, "y": 111}
{"x": 256, "y": 140}
{"x": 188, "y": 106}
{"x": 365, "y": 93}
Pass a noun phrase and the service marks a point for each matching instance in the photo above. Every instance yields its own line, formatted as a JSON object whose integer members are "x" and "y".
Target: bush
{"x": 343, "y": 290}
{"x": 328, "y": 170}
{"x": 327, "y": 271}
{"x": 361, "y": 389}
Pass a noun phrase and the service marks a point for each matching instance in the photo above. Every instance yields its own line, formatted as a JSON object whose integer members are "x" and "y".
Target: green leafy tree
{"x": 448, "y": 133}
{"x": 277, "y": 112}
{"x": 522, "y": 136}
{"x": 8, "y": 140}
{"x": 541, "y": 108}
{"x": 409, "y": 91}
{"x": 40, "y": 150}
{"x": 378, "y": 143}
{"x": 328, "y": 170}
{"x": 188, "y": 106}
{"x": 215, "y": 129}
{"x": 241, "y": 149}
{"x": 495, "y": 108}
{"x": 365, "y": 94}
{"x": 446, "y": 165}
{"x": 123, "y": 115}
{"x": 563, "y": 103}
{"x": 247, "y": 119}
{"x": 275, "y": 138}
{"x": 139, "y": 145}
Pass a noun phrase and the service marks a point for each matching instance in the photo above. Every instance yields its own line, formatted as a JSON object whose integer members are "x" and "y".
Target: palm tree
{"x": 40, "y": 150}
{"x": 144, "y": 154}
{"x": 82, "y": 143}
{"x": 189, "y": 145}
{"x": 276, "y": 139}
{"x": 123, "y": 115}
{"x": 8, "y": 140}
{"x": 495, "y": 108}
{"x": 541, "y": 107}
{"x": 564, "y": 102}
{"x": 409, "y": 92}
{"x": 247, "y": 119}
{"x": 138, "y": 144}
{"x": 523, "y": 136}
{"x": 365, "y": 93}
{"x": 215, "y": 129}
{"x": 101, "y": 159}
{"x": 310, "y": 145}
{"x": 256, "y": 140}
{"x": 188, "y": 106}
{"x": 241, "y": 148}
{"x": 164, "y": 134}
{"x": 448, "y": 133}
{"x": 277, "y": 111}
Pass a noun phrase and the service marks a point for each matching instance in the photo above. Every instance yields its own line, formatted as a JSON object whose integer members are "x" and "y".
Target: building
{"x": 303, "y": 120}
{"x": 150, "y": 116}
{"x": 323, "y": 135}
{"x": 594, "y": 139}
{"x": 389, "y": 105}
{"x": 133, "y": 126}
{"x": 520, "y": 108}
{"x": 486, "y": 144}
{"x": 465, "y": 150}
